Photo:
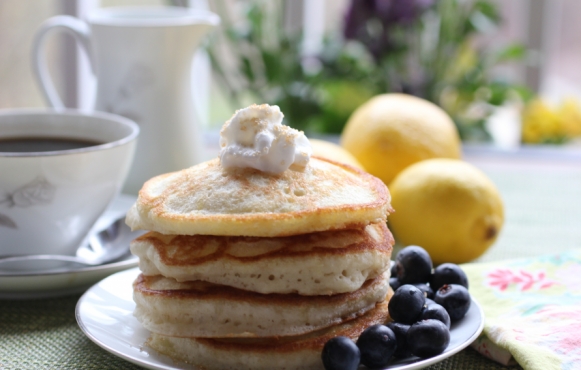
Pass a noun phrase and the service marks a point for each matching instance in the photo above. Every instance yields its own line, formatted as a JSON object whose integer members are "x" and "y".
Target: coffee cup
{"x": 59, "y": 170}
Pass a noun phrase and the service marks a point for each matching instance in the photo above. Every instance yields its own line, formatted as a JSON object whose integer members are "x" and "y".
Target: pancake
{"x": 299, "y": 352}
{"x": 200, "y": 309}
{"x": 208, "y": 200}
{"x": 322, "y": 263}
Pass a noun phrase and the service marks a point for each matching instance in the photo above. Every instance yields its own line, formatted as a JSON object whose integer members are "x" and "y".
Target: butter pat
{"x": 256, "y": 138}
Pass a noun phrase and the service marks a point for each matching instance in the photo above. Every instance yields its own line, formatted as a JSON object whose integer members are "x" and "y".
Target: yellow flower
{"x": 544, "y": 124}
{"x": 570, "y": 115}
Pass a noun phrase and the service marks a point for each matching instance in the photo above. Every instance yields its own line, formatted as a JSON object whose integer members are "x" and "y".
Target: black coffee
{"x": 37, "y": 144}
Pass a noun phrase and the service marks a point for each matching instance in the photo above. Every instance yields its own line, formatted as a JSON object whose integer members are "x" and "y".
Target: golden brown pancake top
{"x": 207, "y": 199}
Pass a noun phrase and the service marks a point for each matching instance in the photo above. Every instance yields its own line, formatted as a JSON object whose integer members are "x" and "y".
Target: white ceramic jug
{"x": 142, "y": 59}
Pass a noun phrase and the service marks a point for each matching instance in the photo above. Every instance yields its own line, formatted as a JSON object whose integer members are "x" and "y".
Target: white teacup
{"x": 50, "y": 199}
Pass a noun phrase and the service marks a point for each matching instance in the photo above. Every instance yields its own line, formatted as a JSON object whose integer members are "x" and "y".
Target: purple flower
{"x": 401, "y": 11}
{"x": 384, "y": 13}
{"x": 358, "y": 14}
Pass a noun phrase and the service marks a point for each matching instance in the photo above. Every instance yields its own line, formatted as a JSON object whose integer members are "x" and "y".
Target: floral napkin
{"x": 532, "y": 310}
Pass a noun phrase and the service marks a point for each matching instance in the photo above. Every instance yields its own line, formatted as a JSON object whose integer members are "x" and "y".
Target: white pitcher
{"x": 142, "y": 59}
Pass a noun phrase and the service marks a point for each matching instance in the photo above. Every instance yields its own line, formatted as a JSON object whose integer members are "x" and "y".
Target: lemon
{"x": 332, "y": 151}
{"x": 447, "y": 206}
{"x": 392, "y": 131}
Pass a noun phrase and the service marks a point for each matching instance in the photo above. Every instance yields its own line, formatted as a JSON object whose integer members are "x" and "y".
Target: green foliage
{"x": 432, "y": 56}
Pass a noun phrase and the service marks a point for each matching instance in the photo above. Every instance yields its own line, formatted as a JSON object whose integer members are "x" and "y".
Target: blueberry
{"x": 393, "y": 269}
{"x": 377, "y": 344}
{"x": 394, "y": 283}
{"x": 426, "y": 289}
{"x": 340, "y": 353}
{"x": 455, "y": 299}
{"x": 436, "y": 312}
{"x": 428, "y": 338}
{"x": 406, "y": 304}
{"x": 413, "y": 265}
{"x": 400, "y": 330}
{"x": 448, "y": 273}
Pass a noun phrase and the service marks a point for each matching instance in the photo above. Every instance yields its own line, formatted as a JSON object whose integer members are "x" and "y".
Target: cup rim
{"x": 35, "y": 112}
{"x": 184, "y": 16}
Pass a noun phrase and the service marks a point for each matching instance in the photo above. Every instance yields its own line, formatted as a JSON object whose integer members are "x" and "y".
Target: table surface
{"x": 541, "y": 190}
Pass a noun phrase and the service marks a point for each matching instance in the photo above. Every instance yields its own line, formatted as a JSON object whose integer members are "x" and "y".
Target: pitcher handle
{"x": 74, "y": 26}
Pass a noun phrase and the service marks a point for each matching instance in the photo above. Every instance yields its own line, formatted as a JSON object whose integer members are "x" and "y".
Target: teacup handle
{"x": 81, "y": 32}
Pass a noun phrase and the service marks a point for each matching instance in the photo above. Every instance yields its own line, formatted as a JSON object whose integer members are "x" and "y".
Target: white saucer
{"x": 105, "y": 314}
{"x": 44, "y": 284}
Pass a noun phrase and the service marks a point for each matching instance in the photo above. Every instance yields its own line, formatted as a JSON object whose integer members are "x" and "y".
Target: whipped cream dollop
{"x": 255, "y": 137}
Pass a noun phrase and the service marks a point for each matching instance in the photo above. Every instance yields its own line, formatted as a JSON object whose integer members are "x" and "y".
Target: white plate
{"x": 44, "y": 284}
{"x": 105, "y": 314}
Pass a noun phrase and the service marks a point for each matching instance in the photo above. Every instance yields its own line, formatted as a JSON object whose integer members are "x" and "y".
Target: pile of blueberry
{"x": 426, "y": 301}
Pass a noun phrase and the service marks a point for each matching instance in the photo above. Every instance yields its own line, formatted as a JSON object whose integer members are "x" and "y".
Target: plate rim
{"x": 433, "y": 360}
{"x": 128, "y": 259}
{"x": 83, "y": 280}
{"x": 420, "y": 364}
{"x": 109, "y": 349}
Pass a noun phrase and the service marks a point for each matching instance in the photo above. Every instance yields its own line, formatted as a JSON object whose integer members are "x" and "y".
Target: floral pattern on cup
{"x": 37, "y": 192}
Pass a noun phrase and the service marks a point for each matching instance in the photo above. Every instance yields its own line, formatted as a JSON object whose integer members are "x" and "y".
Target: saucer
{"x": 72, "y": 279}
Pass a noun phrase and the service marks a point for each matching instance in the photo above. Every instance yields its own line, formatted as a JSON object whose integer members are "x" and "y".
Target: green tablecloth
{"x": 43, "y": 334}
{"x": 543, "y": 207}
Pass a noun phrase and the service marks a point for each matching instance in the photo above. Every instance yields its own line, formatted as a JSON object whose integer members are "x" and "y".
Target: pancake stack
{"x": 244, "y": 269}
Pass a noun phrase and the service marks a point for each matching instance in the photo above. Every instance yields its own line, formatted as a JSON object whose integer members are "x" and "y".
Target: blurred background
{"x": 506, "y": 71}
